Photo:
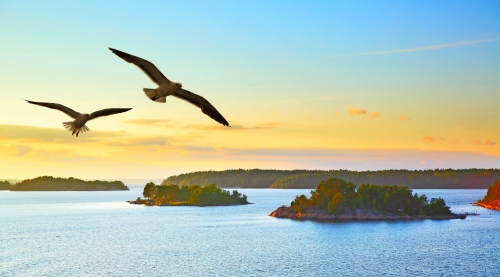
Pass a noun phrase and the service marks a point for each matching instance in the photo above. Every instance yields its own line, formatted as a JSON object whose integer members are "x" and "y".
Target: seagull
{"x": 78, "y": 125}
{"x": 167, "y": 87}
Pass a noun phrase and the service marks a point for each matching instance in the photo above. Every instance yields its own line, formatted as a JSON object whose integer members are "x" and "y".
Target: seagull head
{"x": 179, "y": 85}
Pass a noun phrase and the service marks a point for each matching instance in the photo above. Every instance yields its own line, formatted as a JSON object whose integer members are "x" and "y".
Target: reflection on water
{"x": 98, "y": 233}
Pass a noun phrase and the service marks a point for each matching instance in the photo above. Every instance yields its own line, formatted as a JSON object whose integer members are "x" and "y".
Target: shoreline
{"x": 358, "y": 215}
{"x": 184, "y": 204}
{"x": 495, "y": 206}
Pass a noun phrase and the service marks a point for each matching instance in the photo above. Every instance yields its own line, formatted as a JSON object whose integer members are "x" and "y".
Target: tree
{"x": 336, "y": 206}
{"x": 149, "y": 190}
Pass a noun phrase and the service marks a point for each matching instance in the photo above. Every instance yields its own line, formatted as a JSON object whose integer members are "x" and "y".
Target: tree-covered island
{"x": 173, "y": 195}
{"x": 49, "y": 183}
{"x": 336, "y": 199}
{"x": 4, "y": 185}
{"x": 492, "y": 198}
{"x": 474, "y": 178}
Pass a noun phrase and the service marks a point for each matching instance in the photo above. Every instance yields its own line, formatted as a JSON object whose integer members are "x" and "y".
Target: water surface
{"x": 99, "y": 234}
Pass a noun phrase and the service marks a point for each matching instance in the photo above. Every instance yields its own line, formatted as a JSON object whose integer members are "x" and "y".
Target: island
{"x": 473, "y": 178}
{"x": 337, "y": 200}
{"x": 173, "y": 195}
{"x": 49, "y": 183}
{"x": 4, "y": 185}
{"x": 492, "y": 199}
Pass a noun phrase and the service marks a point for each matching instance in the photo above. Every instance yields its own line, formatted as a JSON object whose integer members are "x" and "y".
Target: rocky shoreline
{"x": 152, "y": 203}
{"x": 495, "y": 205}
{"x": 358, "y": 215}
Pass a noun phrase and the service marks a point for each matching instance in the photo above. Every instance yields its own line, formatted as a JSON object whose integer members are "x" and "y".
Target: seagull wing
{"x": 107, "y": 112}
{"x": 147, "y": 67}
{"x": 201, "y": 103}
{"x": 55, "y": 106}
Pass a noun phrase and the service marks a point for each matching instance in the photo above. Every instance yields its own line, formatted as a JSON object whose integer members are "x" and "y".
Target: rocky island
{"x": 49, "y": 183}
{"x": 173, "y": 195}
{"x": 492, "y": 199}
{"x": 338, "y": 200}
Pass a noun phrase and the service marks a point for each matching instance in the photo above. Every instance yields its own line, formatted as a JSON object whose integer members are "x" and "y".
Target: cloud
{"x": 440, "y": 140}
{"x": 362, "y": 159}
{"x": 354, "y": 111}
{"x": 489, "y": 142}
{"x": 149, "y": 122}
{"x": 269, "y": 125}
{"x": 198, "y": 148}
{"x": 428, "y": 139}
{"x": 404, "y": 118}
{"x": 151, "y": 141}
{"x": 374, "y": 115}
{"x": 42, "y": 134}
{"x": 425, "y": 48}
{"x": 16, "y": 150}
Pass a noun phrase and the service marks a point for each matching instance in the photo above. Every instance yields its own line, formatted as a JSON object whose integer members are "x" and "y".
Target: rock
{"x": 357, "y": 215}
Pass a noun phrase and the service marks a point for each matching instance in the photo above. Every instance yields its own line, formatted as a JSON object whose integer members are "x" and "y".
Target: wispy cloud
{"x": 354, "y": 111}
{"x": 198, "y": 148}
{"x": 151, "y": 141}
{"x": 362, "y": 159}
{"x": 149, "y": 122}
{"x": 428, "y": 139}
{"x": 487, "y": 142}
{"x": 374, "y": 115}
{"x": 41, "y": 134}
{"x": 269, "y": 125}
{"x": 425, "y": 48}
{"x": 440, "y": 140}
{"x": 15, "y": 150}
{"x": 404, "y": 118}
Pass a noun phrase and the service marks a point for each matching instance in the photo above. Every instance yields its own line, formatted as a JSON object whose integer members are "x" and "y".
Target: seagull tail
{"x": 153, "y": 95}
{"x": 70, "y": 126}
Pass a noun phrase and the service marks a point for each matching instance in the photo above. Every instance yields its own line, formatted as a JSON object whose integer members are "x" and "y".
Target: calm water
{"x": 98, "y": 234}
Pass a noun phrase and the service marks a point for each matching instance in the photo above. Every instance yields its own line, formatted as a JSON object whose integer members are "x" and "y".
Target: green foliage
{"x": 149, "y": 190}
{"x": 493, "y": 193}
{"x": 49, "y": 183}
{"x": 4, "y": 185}
{"x": 301, "y": 203}
{"x": 301, "y": 179}
{"x": 207, "y": 195}
{"x": 328, "y": 188}
{"x": 437, "y": 206}
{"x": 337, "y": 205}
{"x": 338, "y": 196}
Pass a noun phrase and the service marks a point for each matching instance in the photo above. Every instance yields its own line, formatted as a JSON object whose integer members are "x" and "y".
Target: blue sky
{"x": 288, "y": 73}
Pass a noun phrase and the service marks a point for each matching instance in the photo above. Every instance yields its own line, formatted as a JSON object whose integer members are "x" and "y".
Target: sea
{"x": 100, "y": 234}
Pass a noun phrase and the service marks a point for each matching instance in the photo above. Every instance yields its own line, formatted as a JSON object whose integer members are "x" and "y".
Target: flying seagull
{"x": 78, "y": 125}
{"x": 166, "y": 87}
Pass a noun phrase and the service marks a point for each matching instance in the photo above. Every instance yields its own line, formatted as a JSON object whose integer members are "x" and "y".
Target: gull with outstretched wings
{"x": 78, "y": 125}
{"x": 167, "y": 87}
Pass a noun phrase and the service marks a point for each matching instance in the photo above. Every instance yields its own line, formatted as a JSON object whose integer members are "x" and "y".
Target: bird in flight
{"x": 78, "y": 125}
{"x": 167, "y": 87}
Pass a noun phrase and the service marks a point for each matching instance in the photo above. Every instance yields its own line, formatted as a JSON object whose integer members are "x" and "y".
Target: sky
{"x": 359, "y": 85}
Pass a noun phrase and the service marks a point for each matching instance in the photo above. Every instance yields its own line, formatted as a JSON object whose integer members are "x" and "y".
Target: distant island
{"x": 4, "y": 185}
{"x": 308, "y": 179}
{"x": 49, "y": 183}
{"x": 492, "y": 198}
{"x": 173, "y": 195}
{"x": 338, "y": 200}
